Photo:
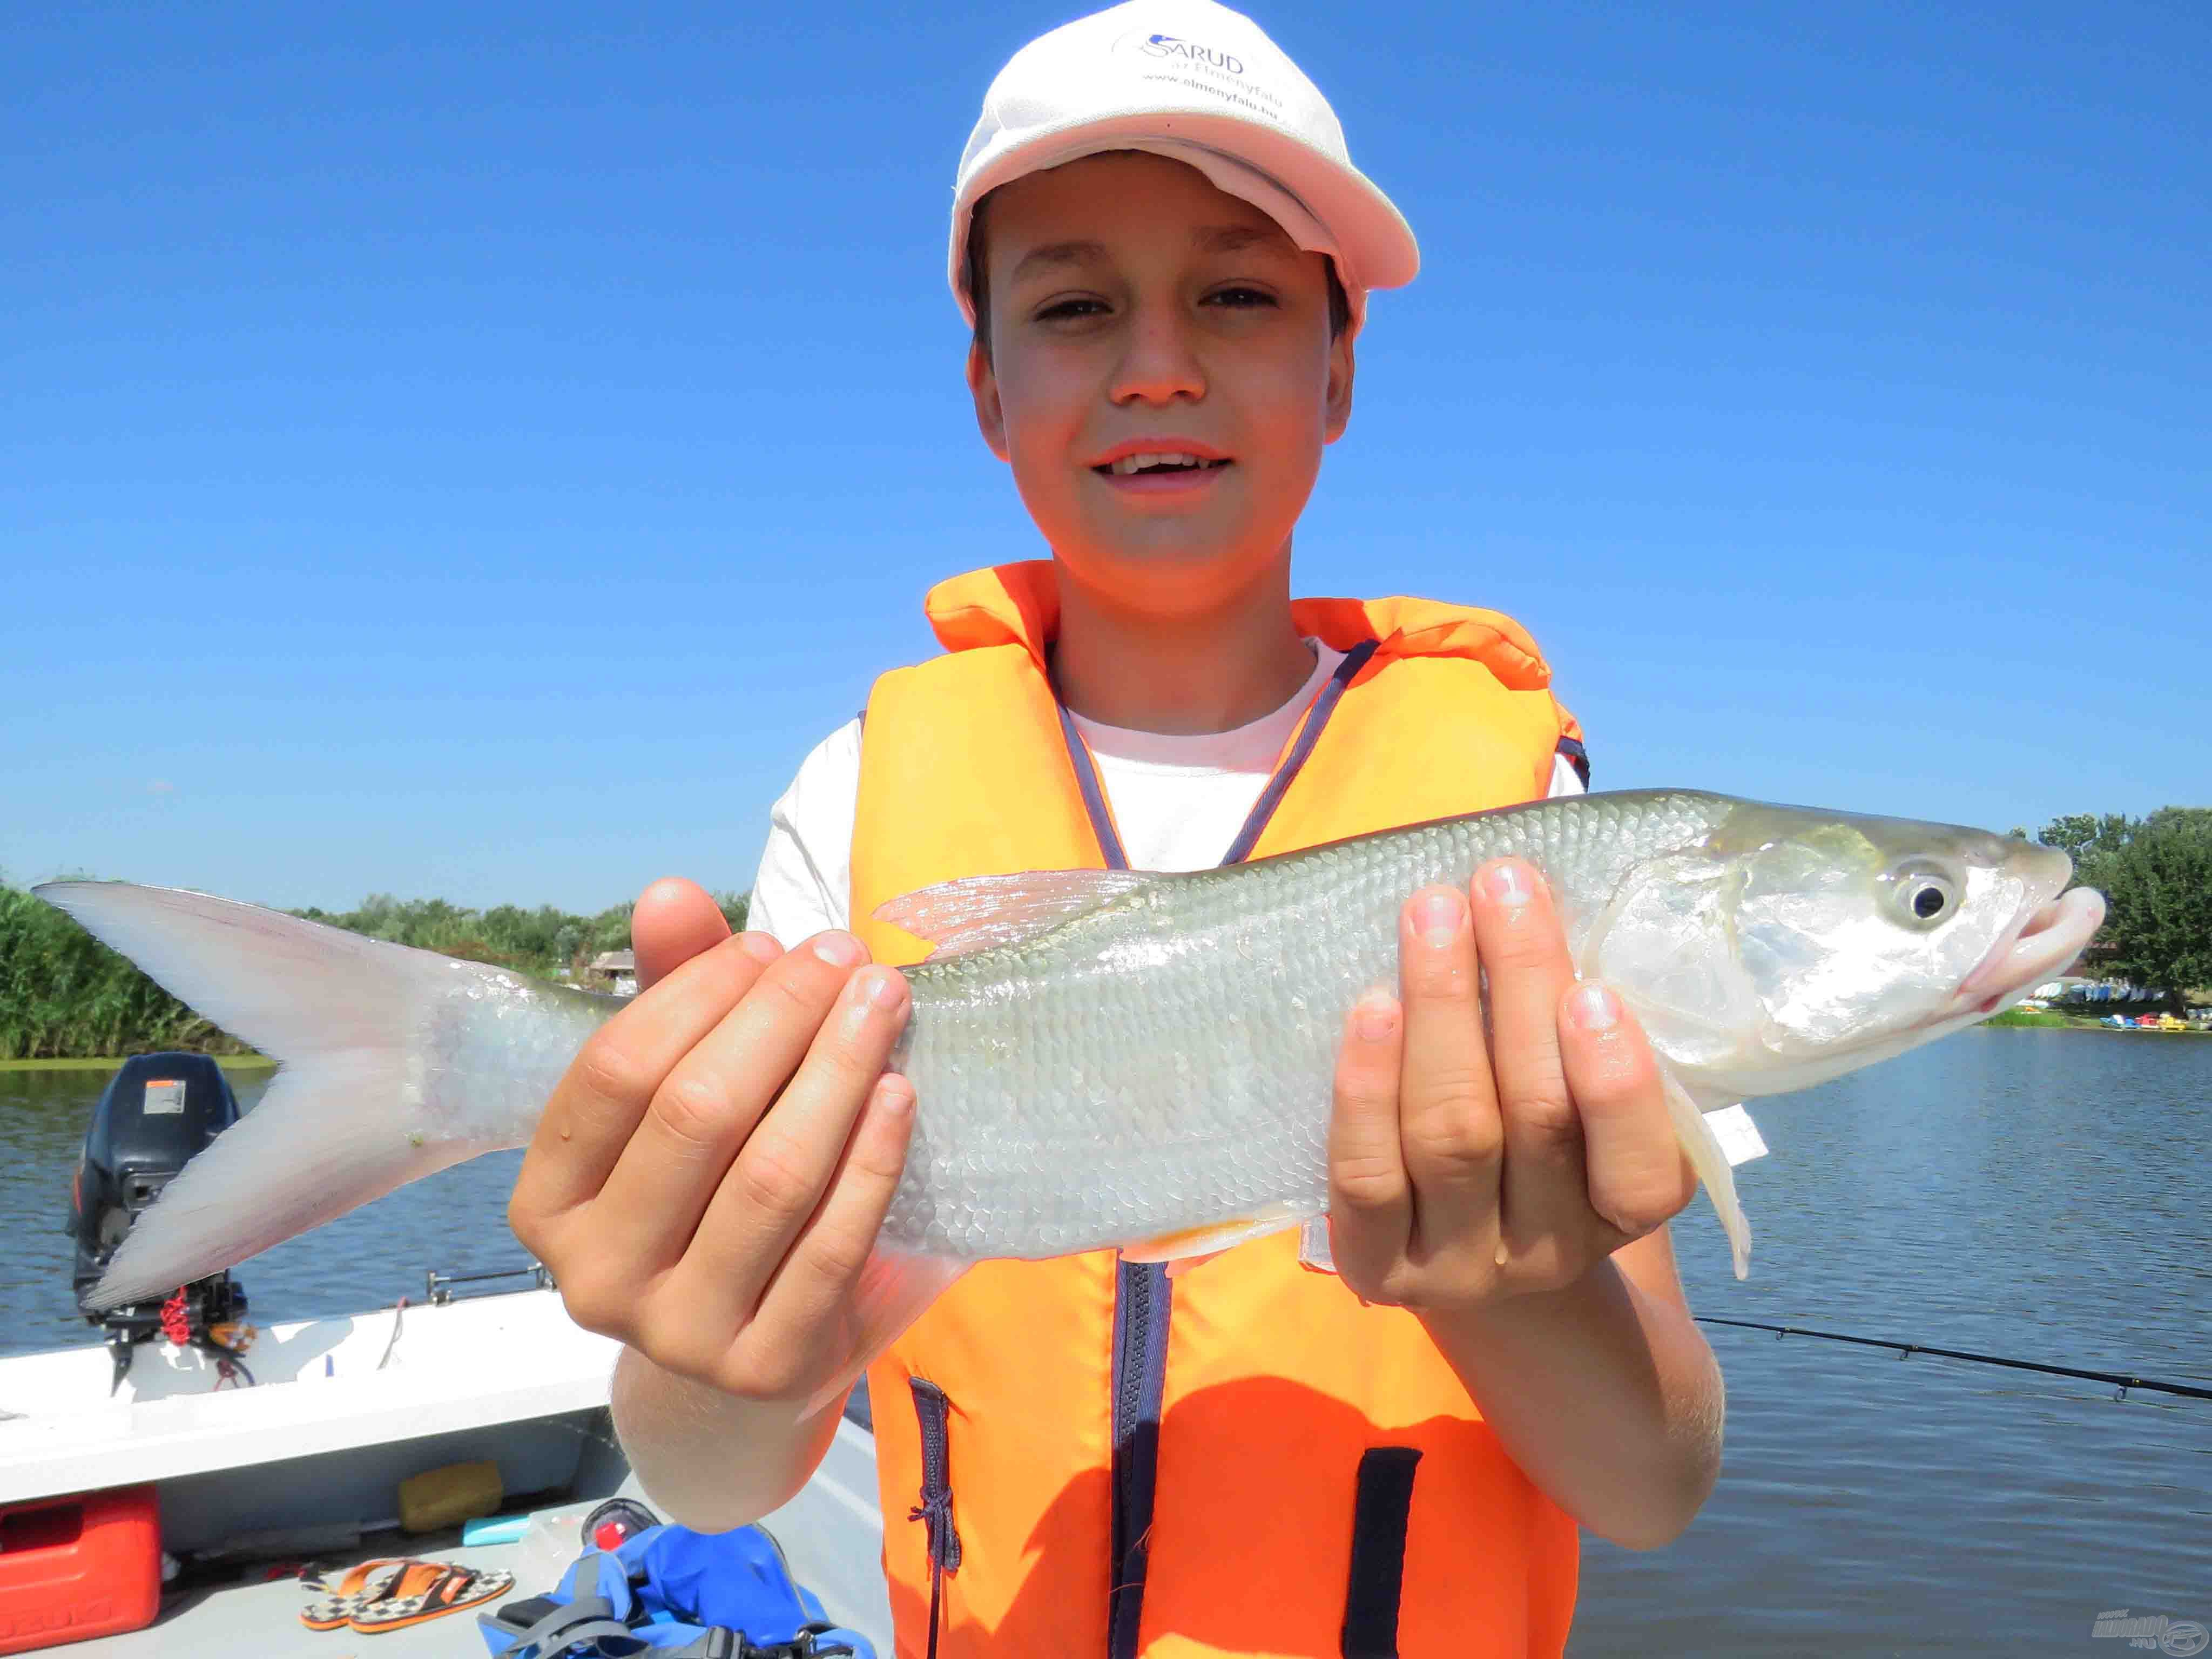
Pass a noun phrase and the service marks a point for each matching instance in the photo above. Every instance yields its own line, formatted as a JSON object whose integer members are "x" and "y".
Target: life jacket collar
{"x": 1019, "y": 604}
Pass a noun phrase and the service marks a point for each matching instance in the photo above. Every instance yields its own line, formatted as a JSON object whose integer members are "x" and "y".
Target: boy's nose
{"x": 1160, "y": 363}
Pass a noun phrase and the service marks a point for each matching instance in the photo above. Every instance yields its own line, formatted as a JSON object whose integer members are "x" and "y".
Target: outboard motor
{"x": 156, "y": 1114}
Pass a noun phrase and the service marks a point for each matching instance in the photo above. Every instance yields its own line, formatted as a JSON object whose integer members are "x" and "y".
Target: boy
{"x": 1373, "y": 1437}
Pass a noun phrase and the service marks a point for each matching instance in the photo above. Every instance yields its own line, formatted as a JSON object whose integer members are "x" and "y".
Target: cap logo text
{"x": 1168, "y": 45}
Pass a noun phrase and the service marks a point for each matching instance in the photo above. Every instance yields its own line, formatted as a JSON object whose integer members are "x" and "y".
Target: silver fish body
{"x": 1163, "y": 1062}
{"x": 1109, "y": 1059}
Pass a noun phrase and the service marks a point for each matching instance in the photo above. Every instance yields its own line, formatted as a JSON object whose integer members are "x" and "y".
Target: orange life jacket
{"x": 1097, "y": 1462}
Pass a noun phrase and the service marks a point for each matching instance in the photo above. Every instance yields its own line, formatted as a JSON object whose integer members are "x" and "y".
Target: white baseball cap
{"x": 1198, "y": 83}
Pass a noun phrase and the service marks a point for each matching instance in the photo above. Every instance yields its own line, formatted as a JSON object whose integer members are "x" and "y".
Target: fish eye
{"x": 1923, "y": 894}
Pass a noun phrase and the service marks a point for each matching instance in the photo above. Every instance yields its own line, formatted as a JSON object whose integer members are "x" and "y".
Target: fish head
{"x": 1791, "y": 944}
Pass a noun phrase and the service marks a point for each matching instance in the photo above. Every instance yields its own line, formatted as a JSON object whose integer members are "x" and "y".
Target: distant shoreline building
{"x": 614, "y": 971}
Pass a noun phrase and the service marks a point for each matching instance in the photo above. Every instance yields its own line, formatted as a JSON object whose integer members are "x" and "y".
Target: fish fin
{"x": 333, "y": 1131}
{"x": 895, "y": 1289}
{"x": 1711, "y": 1162}
{"x": 1210, "y": 1240}
{"x": 1738, "y": 1135}
{"x": 978, "y": 912}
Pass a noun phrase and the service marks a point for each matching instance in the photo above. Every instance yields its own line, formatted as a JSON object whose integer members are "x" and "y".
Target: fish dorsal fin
{"x": 978, "y": 912}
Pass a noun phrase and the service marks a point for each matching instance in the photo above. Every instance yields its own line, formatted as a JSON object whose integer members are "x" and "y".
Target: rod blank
{"x": 2122, "y": 1380}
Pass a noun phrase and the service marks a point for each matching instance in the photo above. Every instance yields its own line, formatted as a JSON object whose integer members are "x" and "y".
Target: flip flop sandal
{"x": 427, "y": 1591}
{"x": 352, "y": 1589}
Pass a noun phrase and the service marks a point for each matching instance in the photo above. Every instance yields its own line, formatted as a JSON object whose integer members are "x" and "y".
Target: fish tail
{"x": 345, "y": 1120}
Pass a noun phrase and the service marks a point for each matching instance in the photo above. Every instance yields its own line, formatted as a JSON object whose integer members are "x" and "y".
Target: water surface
{"x": 2040, "y": 1194}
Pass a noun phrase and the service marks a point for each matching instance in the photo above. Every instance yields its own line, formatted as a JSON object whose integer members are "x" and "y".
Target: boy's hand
{"x": 709, "y": 1176}
{"x": 1463, "y": 1170}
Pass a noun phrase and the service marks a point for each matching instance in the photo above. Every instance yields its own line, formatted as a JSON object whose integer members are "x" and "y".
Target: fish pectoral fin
{"x": 1208, "y": 1241}
{"x": 1713, "y": 1164}
{"x": 978, "y": 912}
{"x": 895, "y": 1289}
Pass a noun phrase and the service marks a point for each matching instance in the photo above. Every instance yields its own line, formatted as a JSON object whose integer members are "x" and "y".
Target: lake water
{"x": 2039, "y": 1194}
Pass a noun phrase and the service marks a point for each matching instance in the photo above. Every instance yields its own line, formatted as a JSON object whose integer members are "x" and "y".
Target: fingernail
{"x": 1597, "y": 1008}
{"x": 866, "y": 995}
{"x": 1374, "y": 1016}
{"x": 759, "y": 946}
{"x": 839, "y": 950}
{"x": 1440, "y": 916}
{"x": 1507, "y": 884}
{"x": 894, "y": 1096}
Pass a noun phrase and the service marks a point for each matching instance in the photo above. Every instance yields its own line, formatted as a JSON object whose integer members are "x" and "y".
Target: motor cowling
{"x": 156, "y": 1112}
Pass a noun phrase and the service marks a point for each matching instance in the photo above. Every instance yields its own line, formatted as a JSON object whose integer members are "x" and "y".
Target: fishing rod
{"x": 2122, "y": 1380}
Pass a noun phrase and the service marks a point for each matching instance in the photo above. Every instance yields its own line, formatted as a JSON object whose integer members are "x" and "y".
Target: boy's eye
{"x": 1071, "y": 308}
{"x": 1239, "y": 298}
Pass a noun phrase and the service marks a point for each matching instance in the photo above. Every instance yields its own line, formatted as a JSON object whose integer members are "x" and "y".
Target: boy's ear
{"x": 990, "y": 415}
{"x": 1338, "y": 396}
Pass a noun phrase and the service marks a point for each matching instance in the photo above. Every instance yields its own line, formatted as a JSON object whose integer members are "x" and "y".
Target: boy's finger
{"x": 673, "y": 920}
{"x": 595, "y": 1108}
{"x": 1448, "y": 1100}
{"x": 824, "y": 1264}
{"x": 772, "y": 1189}
{"x": 1523, "y": 952}
{"x": 1370, "y": 1203}
{"x": 711, "y": 1100}
{"x": 1638, "y": 1177}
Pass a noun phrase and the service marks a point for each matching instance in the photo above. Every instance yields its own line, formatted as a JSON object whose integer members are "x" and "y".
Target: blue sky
{"x": 477, "y": 451}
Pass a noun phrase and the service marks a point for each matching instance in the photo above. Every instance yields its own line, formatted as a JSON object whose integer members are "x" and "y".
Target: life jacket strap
{"x": 1379, "y": 1510}
{"x": 934, "y": 1511}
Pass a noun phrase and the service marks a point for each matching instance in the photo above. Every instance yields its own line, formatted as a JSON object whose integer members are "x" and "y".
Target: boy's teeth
{"x": 1129, "y": 463}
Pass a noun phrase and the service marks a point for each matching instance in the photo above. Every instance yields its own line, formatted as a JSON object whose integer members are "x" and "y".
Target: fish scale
{"x": 1165, "y": 1060}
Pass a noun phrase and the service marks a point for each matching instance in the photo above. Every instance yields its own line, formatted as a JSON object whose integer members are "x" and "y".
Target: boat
{"x": 306, "y": 1463}
{"x": 161, "y": 1483}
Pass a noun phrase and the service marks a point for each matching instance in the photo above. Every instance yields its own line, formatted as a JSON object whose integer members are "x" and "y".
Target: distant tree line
{"x": 64, "y": 995}
{"x": 2156, "y": 873}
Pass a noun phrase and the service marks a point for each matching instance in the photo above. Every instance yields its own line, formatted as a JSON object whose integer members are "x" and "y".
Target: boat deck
{"x": 832, "y": 1533}
{"x": 328, "y": 1387}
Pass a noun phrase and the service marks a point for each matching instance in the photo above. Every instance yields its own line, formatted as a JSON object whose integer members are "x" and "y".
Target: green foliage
{"x": 2156, "y": 876}
{"x": 2087, "y": 838}
{"x": 542, "y": 941}
{"x": 2030, "y": 1017}
{"x": 64, "y": 994}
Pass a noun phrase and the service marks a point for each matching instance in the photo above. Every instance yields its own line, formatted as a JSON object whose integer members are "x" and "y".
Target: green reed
{"x": 64, "y": 995}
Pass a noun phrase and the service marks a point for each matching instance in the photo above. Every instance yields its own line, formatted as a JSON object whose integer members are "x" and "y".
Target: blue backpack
{"x": 679, "y": 1594}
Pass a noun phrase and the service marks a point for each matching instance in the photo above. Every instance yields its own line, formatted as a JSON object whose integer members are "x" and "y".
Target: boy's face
{"x": 1134, "y": 306}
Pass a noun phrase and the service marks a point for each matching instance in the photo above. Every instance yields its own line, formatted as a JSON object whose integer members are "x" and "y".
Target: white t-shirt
{"x": 1177, "y": 801}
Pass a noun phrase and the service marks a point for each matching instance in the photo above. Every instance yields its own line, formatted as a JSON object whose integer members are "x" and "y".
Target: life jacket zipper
{"x": 1143, "y": 1297}
{"x": 1143, "y": 1301}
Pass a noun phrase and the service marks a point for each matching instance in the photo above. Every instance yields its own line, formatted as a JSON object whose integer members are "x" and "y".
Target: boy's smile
{"x": 1160, "y": 375}
{"x": 1165, "y": 465}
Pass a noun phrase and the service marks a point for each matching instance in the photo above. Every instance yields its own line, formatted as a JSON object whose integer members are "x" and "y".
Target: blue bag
{"x": 683, "y": 1593}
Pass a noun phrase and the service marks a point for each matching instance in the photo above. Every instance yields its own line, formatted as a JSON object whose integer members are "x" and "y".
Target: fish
{"x": 1128, "y": 1059}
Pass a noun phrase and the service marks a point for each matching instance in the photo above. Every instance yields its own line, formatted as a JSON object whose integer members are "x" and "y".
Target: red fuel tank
{"x": 74, "y": 1568}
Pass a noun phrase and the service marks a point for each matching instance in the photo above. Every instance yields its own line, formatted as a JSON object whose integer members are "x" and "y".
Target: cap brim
{"x": 1375, "y": 245}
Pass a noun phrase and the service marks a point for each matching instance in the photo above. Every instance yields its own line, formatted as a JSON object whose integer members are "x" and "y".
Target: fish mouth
{"x": 2042, "y": 940}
